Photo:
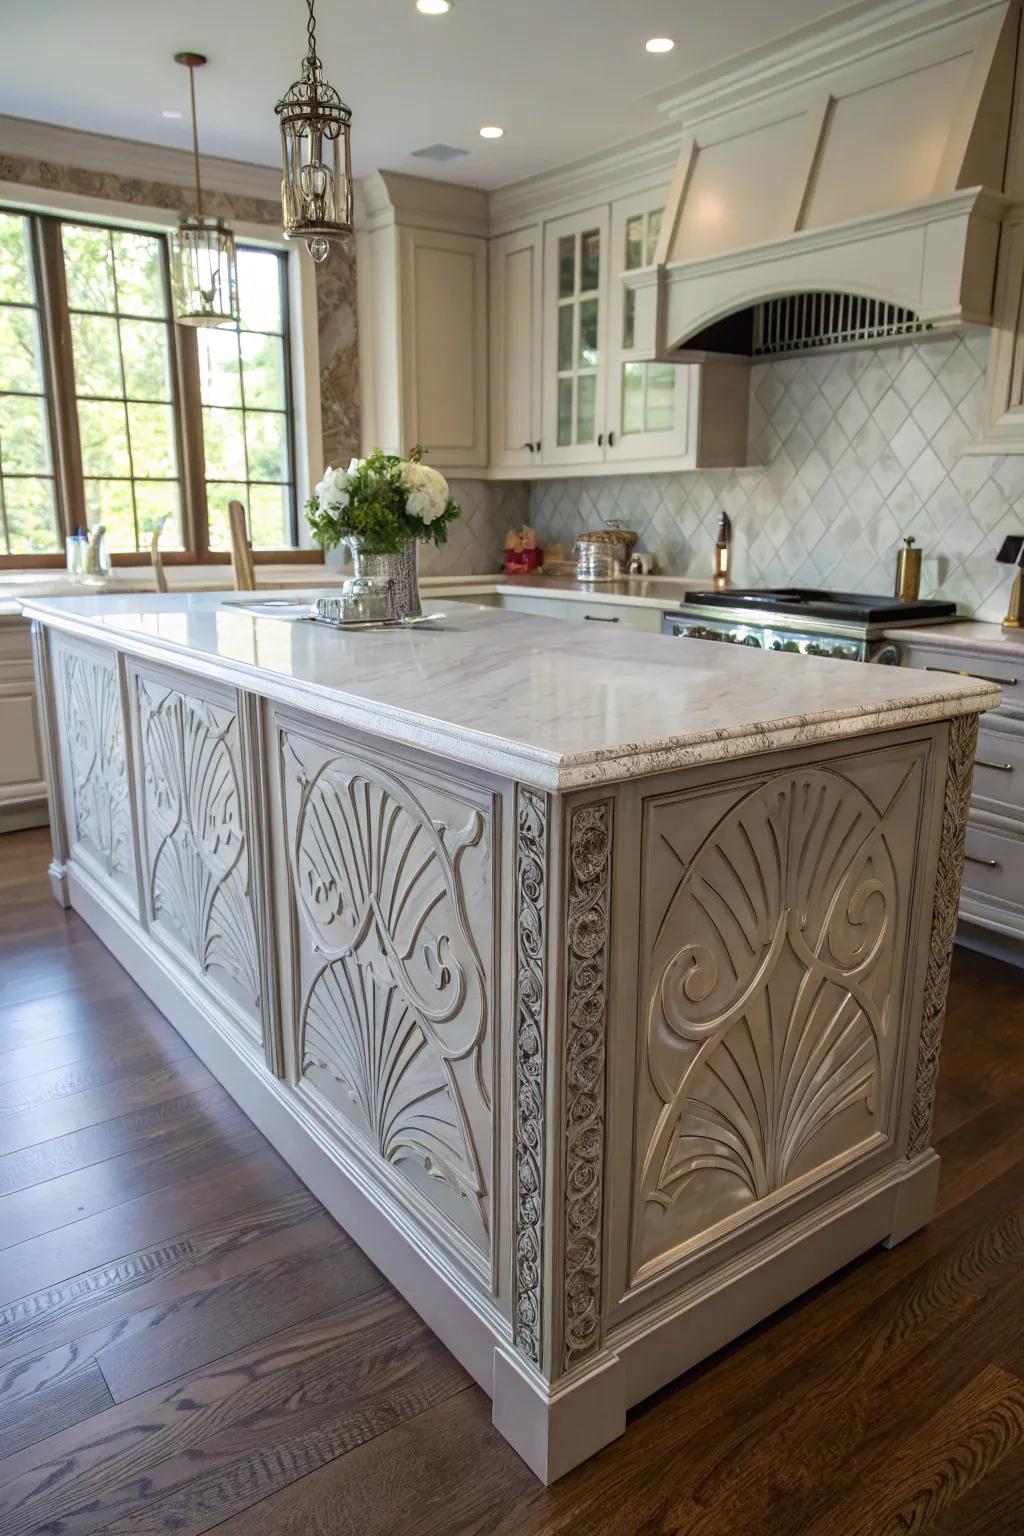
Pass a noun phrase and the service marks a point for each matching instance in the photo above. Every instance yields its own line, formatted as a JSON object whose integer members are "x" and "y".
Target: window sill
{"x": 16, "y": 585}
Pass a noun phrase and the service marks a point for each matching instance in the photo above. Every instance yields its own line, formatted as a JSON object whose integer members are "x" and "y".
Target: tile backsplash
{"x": 854, "y": 450}
{"x": 477, "y": 538}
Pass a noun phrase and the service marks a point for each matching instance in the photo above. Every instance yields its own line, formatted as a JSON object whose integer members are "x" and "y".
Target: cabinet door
{"x": 575, "y": 298}
{"x": 650, "y": 405}
{"x": 443, "y": 345}
{"x": 516, "y": 312}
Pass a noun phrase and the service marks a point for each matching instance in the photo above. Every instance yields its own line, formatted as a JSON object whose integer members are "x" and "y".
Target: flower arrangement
{"x": 383, "y": 502}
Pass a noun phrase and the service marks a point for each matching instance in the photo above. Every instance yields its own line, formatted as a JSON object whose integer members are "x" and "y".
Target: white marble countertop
{"x": 553, "y": 704}
{"x": 973, "y": 635}
{"x": 664, "y": 592}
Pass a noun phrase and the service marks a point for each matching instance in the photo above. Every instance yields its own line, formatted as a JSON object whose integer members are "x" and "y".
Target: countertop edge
{"x": 534, "y": 766}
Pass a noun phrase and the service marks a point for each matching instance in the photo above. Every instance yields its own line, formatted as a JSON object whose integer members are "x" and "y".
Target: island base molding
{"x": 552, "y": 1430}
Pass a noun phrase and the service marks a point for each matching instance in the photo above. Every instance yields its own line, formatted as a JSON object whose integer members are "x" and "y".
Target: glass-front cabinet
{"x": 575, "y": 302}
{"x": 648, "y": 403}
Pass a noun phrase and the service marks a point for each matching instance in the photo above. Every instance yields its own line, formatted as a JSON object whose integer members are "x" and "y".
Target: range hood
{"x": 850, "y": 185}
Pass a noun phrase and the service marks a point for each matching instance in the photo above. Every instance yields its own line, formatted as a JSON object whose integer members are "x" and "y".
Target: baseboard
{"x": 21, "y": 817}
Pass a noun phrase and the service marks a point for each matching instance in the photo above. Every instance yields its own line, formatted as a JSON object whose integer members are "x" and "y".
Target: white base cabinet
{"x": 22, "y": 779}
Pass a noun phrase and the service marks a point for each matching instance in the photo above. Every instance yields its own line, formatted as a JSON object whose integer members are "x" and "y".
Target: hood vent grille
{"x": 806, "y": 322}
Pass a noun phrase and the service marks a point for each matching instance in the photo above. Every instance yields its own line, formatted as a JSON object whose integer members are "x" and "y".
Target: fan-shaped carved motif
{"x": 765, "y": 1025}
{"x": 396, "y": 1011}
{"x": 198, "y": 861}
{"x": 99, "y": 780}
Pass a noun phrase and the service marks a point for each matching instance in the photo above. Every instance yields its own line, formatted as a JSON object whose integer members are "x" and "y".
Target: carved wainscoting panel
{"x": 529, "y": 1124}
{"x": 586, "y": 1022}
{"x": 393, "y": 884}
{"x": 95, "y": 764}
{"x": 197, "y": 864}
{"x": 771, "y": 1025}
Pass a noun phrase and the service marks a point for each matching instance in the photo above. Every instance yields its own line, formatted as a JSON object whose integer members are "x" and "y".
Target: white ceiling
{"x": 562, "y": 77}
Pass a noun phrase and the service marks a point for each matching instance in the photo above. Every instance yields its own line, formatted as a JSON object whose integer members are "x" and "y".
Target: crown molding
{"x": 392, "y": 199}
{"x": 614, "y": 172}
{"x": 863, "y": 29}
{"x": 28, "y": 140}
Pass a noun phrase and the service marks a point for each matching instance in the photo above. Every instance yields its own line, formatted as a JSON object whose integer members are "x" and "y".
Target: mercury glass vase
{"x": 401, "y": 568}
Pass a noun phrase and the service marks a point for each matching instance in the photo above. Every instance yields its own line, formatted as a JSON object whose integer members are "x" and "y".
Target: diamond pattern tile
{"x": 856, "y": 449}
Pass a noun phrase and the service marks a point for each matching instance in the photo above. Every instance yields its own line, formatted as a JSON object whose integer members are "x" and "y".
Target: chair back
{"x": 241, "y": 549}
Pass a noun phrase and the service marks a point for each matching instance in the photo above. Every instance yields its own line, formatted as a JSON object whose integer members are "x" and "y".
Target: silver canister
{"x": 603, "y": 555}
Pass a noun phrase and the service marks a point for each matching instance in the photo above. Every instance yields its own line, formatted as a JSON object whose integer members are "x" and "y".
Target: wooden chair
{"x": 159, "y": 576}
{"x": 241, "y": 549}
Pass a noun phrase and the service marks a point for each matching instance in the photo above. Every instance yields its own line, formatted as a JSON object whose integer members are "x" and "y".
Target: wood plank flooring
{"x": 188, "y": 1342}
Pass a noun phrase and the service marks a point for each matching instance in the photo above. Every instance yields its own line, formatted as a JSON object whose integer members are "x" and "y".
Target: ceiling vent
{"x": 439, "y": 152}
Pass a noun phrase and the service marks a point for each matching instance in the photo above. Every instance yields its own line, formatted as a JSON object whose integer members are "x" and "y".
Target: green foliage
{"x": 376, "y": 512}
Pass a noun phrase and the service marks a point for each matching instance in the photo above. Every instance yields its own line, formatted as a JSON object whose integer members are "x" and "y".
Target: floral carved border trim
{"x": 588, "y": 925}
{"x": 963, "y": 741}
{"x": 528, "y": 1129}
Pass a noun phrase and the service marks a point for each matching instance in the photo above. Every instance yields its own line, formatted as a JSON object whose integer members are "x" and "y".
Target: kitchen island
{"x": 594, "y": 981}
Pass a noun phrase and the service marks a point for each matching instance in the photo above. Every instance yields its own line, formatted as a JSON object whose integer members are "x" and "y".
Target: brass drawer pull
{"x": 996, "y": 767}
{"x": 982, "y": 677}
{"x": 970, "y": 858}
{"x": 600, "y": 618}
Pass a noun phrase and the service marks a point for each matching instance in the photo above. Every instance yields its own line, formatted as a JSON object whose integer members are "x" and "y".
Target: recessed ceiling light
{"x": 169, "y": 112}
{"x": 491, "y": 132}
{"x": 659, "y": 44}
{"x": 434, "y": 7}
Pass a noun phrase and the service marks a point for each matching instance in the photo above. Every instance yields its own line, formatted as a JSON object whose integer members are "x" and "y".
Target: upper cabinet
{"x": 516, "y": 317}
{"x": 422, "y": 302}
{"x": 515, "y": 355}
{"x": 575, "y": 325}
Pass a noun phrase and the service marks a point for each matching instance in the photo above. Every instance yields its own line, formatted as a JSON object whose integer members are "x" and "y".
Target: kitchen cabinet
{"x": 606, "y": 401}
{"x": 575, "y": 369}
{"x": 599, "y": 610}
{"x": 422, "y": 296}
{"x": 992, "y": 890}
{"x": 516, "y": 313}
{"x": 22, "y": 782}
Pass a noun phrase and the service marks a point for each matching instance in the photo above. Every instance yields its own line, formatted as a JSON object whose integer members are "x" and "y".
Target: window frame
{"x": 62, "y": 415}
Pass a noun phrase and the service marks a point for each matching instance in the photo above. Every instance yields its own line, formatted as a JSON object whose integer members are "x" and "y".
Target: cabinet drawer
{"x": 1008, "y": 672}
{"x": 993, "y": 868}
{"x": 646, "y": 621}
{"x": 999, "y": 767}
{"x": 542, "y": 607}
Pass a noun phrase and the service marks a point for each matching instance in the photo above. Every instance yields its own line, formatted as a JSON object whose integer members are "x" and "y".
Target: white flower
{"x": 426, "y": 492}
{"x": 332, "y": 492}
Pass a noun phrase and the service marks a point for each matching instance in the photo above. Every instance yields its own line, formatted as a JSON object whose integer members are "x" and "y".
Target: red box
{"x": 516, "y": 562}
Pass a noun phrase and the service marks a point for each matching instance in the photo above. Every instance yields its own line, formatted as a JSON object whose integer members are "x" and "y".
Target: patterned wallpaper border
{"x": 337, "y": 325}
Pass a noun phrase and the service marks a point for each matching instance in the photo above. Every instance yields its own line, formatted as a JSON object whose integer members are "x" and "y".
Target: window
{"x": 28, "y": 505}
{"x": 243, "y": 384}
{"x": 119, "y": 312}
{"x": 128, "y": 419}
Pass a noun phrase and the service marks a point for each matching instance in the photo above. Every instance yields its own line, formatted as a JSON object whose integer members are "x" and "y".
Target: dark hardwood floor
{"x": 188, "y": 1342}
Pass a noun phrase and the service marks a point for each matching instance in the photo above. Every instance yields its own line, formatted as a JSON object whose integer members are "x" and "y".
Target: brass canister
{"x": 908, "y": 572}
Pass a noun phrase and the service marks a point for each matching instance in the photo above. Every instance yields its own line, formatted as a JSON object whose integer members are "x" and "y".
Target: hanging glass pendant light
{"x": 203, "y": 268}
{"x": 316, "y": 182}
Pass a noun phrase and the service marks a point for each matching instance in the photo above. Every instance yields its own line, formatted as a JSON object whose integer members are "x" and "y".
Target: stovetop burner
{"x": 810, "y": 603}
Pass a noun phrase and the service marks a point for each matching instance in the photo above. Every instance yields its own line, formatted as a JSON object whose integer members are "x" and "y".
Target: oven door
{"x": 686, "y": 628}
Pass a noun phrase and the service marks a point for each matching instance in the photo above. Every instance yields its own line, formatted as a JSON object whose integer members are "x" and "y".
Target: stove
{"x": 847, "y": 625}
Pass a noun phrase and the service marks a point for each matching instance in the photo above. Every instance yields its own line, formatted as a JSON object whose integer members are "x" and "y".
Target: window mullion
{"x": 59, "y": 374}
{"x": 188, "y": 421}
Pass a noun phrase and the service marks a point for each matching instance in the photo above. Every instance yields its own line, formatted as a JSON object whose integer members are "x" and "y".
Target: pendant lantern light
{"x": 203, "y": 267}
{"x": 316, "y": 181}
